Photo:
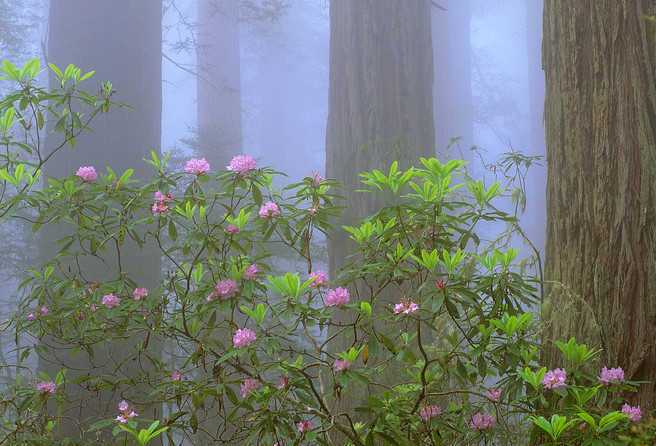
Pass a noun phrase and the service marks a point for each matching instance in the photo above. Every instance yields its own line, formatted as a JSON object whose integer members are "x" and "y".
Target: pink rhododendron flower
{"x": 110, "y": 300}
{"x": 282, "y": 382}
{"x": 494, "y": 394}
{"x": 405, "y": 307}
{"x": 197, "y": 167}
{"x": 440, "y": 284}
{"x": 243, "y": 337}
{"x": 241, "y": 163}
{"x": 126, "y": 412}
{"x": 341, "y": 365}
{"x": 161, "y": 201}
{"x": 304, "y": 426}
{"x": 607, "y": 376}
{"x": 429, "y": 412}
{"x": 40, "y": 311}
{"x": 226, "y": 289}
{"x": 269, "y": 210}
{"x": 316, "y": 177}
{"x": 338, "y": 296}
{"x": 87, "y": 173}
{"x": 480, "y": 422}
{"x": 232, "y": 229}
{"x": 140, "y": 293}
{"x": 46, "y": 387}
{"x": 251, "y": 272}
{"x": 248, "y": 386}
{"x": 319, "y": 278}
{"x": 176, "y": 376}
{"x": 635, "y": 412}
{"x": 554, "y": 378}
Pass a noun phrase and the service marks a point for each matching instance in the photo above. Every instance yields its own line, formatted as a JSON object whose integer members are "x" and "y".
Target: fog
{"x": 488, "y": 91}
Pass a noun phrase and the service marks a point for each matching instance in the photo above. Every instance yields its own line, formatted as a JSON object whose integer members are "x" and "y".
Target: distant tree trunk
{"x": 600, "y": 120}
{"x": 380, "y": 104}
{"x": 452, "y": 97}
{"x": 219, "y": 82}
{"x": 380, "y": 93}
{"x": 121, "y": 41}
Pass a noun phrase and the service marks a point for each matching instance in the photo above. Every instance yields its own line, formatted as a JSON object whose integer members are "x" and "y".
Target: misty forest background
{"x": 345, "y": 86}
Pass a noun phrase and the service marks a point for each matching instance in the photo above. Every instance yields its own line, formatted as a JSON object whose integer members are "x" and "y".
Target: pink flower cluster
{"x": 554, "y": 378}
{"x": 125, "y": 412}
{"x": 405, "y": 306}
{"x": 341, "y": 365}
{"x": 110, "y": 300}
{"x": 251, "y": 273}
{"x": 243, "y": 337}
{"x": 338, "y": 296}
{"x": 282, "y": 382}
{"x": 87, "y": 173}
{"x": 269, "y": 210}
{"x": 494, "y": 394}
{"x": 232, "y": 229}
{"x": 161, "y": 201}
{"x": 635, "y": 412}
{"x": 176, "y": 376}
{"x": 480, "y": 422}
{"x": 249, "y": 386}
{"x": 46, "y": 387}
{"x": 608, "y": 376}
{"x": 241, "y": 163}
{"x": 316, "y": 178}
{"x": 440, "y": 284}
{"x": 197, "y": 167}
{"x": 319, "y": 278}
{"x": 140, "y": 293}
{"x": 429, "y": 412}
{"x": 224, "y": 289}
{"x": 304, "y": 426}
{"x": 39, "y": 312}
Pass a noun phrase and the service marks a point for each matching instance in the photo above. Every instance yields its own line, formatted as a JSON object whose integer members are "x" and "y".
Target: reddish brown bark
{"x": 600, "y": 120}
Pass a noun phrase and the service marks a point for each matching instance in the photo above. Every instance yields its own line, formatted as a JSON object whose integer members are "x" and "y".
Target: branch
{"x": 433, "y": 3}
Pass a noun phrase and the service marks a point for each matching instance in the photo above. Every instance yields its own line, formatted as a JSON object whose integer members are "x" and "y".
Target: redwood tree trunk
{"x": 600, "y": 120}
{"x": 380, "y": 107}
{"x": 121, "y": 41}
{"x": 380, "y": 94}
{"x": 219, "y": 82}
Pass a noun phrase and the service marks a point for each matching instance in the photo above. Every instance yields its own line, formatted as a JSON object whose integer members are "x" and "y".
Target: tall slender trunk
{"x": 218, "y": 84}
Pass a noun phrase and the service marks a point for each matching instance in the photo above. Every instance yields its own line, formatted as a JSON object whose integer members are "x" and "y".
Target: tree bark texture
{"x": 219, "y": 82}
{"x": 600, "y": 121}
{"x": 380, "y": 93}
{"x": 380, "y": 108}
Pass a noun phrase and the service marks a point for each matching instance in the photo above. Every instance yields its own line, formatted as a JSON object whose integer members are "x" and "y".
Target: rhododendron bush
{"x": 235, "y": 346}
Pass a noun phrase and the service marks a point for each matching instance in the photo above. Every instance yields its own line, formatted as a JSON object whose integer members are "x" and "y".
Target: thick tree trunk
{"x": 380, "y": 106}
{"x": 121, "y": 41}
{"x": 600, "y": 119}
{"x": 219, "y": 82}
